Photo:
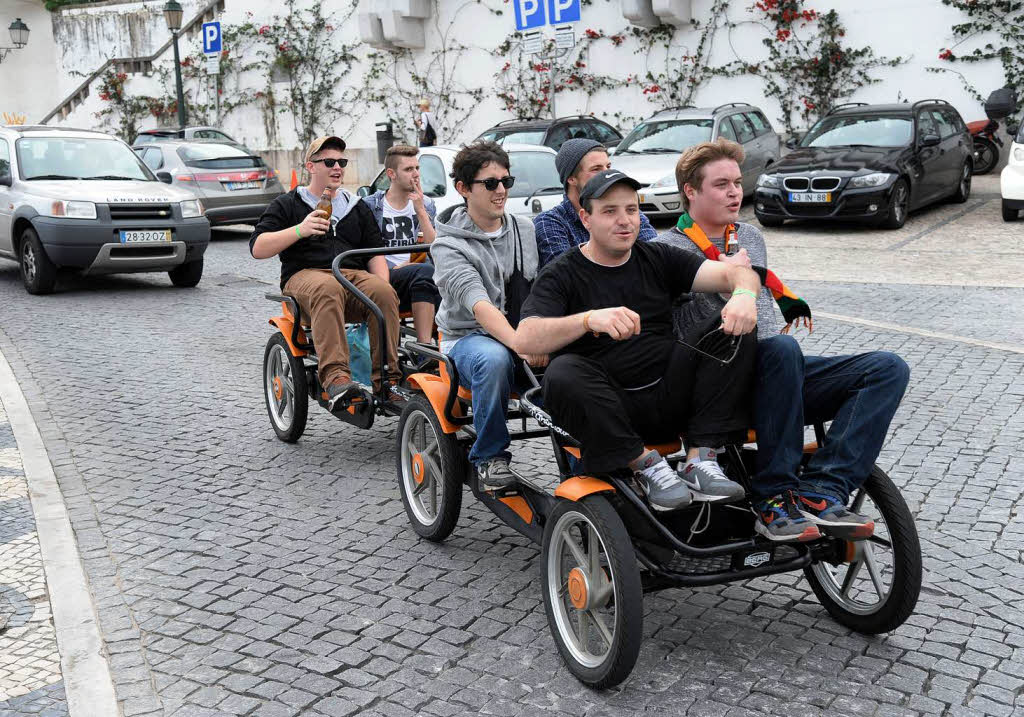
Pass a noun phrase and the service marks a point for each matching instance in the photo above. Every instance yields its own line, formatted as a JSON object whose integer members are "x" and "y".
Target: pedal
{"x": 350, "y": 402}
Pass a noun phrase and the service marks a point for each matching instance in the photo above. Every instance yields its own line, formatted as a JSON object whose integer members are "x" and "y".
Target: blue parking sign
{"x": 211, "y": 38}
{"x": 530, "y": 14}
{"x": 563, "y": 11}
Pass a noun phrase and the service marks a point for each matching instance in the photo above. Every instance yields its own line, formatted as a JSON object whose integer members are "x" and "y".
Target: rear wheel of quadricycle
{"x": 877, "y": 588}
{"x": 432, "y": 468}
{"x": 592, "y": 591}
{"x": 285, "y": 389}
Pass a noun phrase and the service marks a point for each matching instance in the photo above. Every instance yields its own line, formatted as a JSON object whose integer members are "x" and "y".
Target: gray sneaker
{"x": 664, "y": 489}
{"x": 340, "y": 395}
{"x": 495, "y": 474}
{"x": 707, "y": 482}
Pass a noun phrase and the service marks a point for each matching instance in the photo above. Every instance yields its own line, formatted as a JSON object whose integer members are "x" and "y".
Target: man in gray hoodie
{"x": 484, "y": 260}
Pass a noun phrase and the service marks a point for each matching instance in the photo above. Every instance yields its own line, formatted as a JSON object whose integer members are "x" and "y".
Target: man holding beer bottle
{"x": 307, "y": 239}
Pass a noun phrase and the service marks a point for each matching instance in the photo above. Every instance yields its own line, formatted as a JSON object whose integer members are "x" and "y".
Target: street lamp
{"x": 19, "y": 36}
{"x": 173, "y": 13}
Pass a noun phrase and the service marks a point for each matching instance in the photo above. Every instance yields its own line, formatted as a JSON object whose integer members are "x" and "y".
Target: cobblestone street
{"x": 234, "y": 574}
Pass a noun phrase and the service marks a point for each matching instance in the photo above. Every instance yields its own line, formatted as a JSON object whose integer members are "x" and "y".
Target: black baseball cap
{"x": 603, "y": 181}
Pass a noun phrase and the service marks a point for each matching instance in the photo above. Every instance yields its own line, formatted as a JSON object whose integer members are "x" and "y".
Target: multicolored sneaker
{"x": 780, "y": 519}
{"x": 831, "y": 514}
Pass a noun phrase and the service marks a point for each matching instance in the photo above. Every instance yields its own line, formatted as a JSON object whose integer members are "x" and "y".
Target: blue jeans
{"x": 859, "y": 394}
{"x": 487, "y": 368}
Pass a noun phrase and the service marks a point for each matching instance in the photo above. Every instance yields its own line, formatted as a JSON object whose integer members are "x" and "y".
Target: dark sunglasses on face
{"x": 329, "y": 163}
{"x": 491, "y": 183}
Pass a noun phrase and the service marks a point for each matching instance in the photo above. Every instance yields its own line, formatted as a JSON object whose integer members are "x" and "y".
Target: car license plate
{"x": 140, "y": 235}
{"x": 243, "y": 185}
{"x": 810, "y": 198}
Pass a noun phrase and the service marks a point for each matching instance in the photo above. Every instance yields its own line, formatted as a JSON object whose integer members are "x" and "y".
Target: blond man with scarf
{"x": 859, "y": 394}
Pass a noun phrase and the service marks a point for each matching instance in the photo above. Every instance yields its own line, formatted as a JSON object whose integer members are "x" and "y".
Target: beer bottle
{"x": 325, "y": 203}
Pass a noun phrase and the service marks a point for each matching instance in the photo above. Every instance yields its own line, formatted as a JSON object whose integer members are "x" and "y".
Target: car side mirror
{"x": 165, "y": 177}
{"x": 6, "y": 180}
{"x": 613, "y": 144}
{"x": 1012, "y": 129}
{"x": 930, "y": 140}
{"x": 363, "y": 191}
{"x": 793, "y": 142}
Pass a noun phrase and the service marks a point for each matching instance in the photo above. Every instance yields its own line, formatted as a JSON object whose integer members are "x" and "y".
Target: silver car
{"x": 83, "y": 200}
{"x": 234, "y": 184}
{"x": 650, "y": 151}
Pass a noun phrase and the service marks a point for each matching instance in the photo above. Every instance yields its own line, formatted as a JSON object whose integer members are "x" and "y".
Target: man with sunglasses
{"x": 307, "y": 242}
{"x": 484, "y": 261}
{"x": 858, "y": 393}
{"x": 619, "y": 379}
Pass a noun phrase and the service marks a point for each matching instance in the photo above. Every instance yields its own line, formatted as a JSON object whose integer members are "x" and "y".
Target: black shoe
{"x": 340, "y": 395}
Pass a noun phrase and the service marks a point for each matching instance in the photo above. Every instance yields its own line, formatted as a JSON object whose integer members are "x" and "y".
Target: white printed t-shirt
{"x": 399, "y": 228}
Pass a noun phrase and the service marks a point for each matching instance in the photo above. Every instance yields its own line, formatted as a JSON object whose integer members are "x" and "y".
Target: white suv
{"x": 83, "y": 200}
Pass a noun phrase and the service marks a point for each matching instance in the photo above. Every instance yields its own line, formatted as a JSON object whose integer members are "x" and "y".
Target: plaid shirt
{"x": 559, "y": 229}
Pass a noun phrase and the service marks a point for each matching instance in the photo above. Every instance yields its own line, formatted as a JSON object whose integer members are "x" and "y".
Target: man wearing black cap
{"x": 307, "y": 241}
{"x": 618, "y": 377}
{"x": 559, "y": 229}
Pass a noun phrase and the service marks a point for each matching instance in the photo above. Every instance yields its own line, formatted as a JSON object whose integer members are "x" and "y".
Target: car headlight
{"x": 73, "y": 210}
{"x": 669, "y": 181}
{"x": 191, "y": 209}
{"x": 1018, "y": 154}
{"x": 876, "y": 179}
{"x": 768, "y": 180}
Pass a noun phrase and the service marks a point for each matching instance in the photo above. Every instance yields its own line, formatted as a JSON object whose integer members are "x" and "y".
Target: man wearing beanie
{"x": 559, "y": 229}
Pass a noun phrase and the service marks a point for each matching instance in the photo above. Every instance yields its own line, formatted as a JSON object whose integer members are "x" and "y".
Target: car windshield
{"x": 217, "y": 156}
{"x": 660, "y": 136}
{"x": 535, "y": 173}
{"x": 79, "y": 158}
{"x": 866, "y": 130}
{"x": 514, "y": 136}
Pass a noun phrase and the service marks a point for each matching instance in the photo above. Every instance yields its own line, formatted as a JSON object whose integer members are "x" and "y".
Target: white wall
{"x": 28, "y": 77}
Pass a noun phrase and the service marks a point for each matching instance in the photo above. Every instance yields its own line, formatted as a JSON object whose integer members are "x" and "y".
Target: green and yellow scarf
{"x": 791, "y": 305}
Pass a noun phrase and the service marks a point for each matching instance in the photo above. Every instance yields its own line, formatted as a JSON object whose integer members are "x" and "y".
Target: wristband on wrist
{"x": 297, "y": 232}
{"x": 586, "y": 321}
{"x": 744, "y": 292}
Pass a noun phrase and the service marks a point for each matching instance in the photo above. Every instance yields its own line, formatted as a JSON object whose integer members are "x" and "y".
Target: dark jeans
{"x": 414, "y": 283}
{"x": 702, "y": 398}
{"x": 859, "y": 394}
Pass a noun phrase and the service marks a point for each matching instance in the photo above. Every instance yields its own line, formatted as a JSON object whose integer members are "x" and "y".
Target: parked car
{"x": 650, "y": 151}
{"x": 234, "y": 184}
{"x": 83, "y": 200}
{"x": 553, "y": 132}
{"x": 148, "y": 136}
{"x": 536, "y": 190}
{"x": 1011, "y": 181}
{"x": 874, "y": 163}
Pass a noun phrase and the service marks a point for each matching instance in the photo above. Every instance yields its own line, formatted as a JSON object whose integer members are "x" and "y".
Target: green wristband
{"x": 744, "y": 292}
{"x": 297, "y": 232}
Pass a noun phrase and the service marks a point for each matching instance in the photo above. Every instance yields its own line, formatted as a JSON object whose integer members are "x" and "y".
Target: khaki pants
{"x": 328, "y": 306}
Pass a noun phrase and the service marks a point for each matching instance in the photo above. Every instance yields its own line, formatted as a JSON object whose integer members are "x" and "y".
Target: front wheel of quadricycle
{"x": 285, "y": 390}
{"x": 592, "y": 591}
{"x": 432, "y": 468}
{"x": 880, "y": 600}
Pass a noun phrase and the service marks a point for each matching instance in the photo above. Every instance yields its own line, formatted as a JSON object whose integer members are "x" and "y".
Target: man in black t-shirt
{"x": 293, "y": 229}
{"x": 618, "y": 377}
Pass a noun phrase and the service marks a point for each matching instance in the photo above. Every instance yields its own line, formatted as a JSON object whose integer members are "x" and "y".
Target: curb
{"x": 87, "y": 681}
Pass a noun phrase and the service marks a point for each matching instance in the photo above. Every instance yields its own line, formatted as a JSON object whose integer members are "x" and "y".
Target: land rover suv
{"x": 82, "y": 200}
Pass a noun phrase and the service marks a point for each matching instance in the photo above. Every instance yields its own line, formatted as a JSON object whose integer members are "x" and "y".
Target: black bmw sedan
{"x": 874, "y": 163}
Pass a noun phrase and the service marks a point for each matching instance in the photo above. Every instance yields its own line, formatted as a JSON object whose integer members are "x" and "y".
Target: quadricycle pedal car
{"x": 602, "y": 546}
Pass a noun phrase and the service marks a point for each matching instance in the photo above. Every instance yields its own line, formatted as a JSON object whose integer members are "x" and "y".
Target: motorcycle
{"x": 987, "y": 144}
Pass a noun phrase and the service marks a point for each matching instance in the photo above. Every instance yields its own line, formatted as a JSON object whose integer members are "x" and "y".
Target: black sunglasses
{"x": 491, "y": 183}
{"x": 329, "y": 162}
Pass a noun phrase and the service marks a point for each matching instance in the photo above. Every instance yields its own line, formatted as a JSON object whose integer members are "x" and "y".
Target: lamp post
{"x": 19, "y": 36}
{"x": 173, "y": 13}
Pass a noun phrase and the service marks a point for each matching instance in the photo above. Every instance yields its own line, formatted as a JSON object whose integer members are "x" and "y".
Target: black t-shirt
{"x": 647, "y": 283}
{"x": 356, "y": 230}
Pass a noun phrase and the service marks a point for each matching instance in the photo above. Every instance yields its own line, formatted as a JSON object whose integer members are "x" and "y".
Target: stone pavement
{"x": 30, "y": 679}
{"x": 235, "y": 574}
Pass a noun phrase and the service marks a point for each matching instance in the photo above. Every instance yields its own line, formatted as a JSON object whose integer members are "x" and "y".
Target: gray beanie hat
{"x": 571, "y": 154}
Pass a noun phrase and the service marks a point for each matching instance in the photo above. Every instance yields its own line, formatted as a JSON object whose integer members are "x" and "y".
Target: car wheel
{"x": 1009, "y": 215}
{"x": 899, "y": 205}
{"x": 38, "y": 273}
{"x": 769, "y": 221}
{"x": 188, "y": 274}
{"x": 963, "y": 188}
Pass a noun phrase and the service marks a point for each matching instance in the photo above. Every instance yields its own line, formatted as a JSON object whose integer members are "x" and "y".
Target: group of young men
{"x": 613, "y": 310}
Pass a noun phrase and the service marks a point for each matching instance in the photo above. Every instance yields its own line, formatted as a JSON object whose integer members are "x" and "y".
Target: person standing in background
{"x": 425, "y": 124}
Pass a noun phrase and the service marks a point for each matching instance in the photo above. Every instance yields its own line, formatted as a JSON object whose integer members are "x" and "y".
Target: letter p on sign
{"x": 211, "y": 38}
{"x": 529, "y": 14}
{"x": 563, "y": 11}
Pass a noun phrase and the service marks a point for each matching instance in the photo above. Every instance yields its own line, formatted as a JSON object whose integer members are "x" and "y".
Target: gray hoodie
{"x": 470, "y": 266}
